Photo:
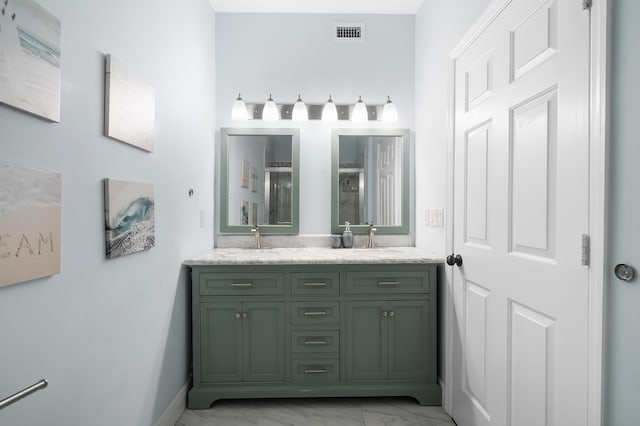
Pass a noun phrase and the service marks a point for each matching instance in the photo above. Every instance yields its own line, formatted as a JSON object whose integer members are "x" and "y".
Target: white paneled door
{"x": 521, "y": 143}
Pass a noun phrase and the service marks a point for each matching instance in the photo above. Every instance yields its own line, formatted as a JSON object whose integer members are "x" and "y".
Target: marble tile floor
{"x": 317, "y": 412}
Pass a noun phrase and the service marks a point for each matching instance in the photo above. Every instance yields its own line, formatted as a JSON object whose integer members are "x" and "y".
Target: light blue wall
{"x": 112, "y": 336}
{"x": 287, "y": 54}
{"x": 439, "y": 27}
{"x": 623, "y": 328}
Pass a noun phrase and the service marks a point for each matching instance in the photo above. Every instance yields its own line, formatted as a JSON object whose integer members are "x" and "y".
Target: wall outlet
{"x": 203, "y": 218}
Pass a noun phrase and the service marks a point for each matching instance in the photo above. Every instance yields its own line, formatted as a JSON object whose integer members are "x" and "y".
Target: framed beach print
{"x": 129, "y": 217}
{"x": 30, "y": 223}
{"x": 30, "y": 58}
{"x": 246, "y": 173}
{"x": 130, "y": 106}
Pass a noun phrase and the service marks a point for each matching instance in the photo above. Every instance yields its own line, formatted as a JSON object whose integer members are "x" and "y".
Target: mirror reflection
{"x": 258, "y": 184}
{"x": 371, "y": 182}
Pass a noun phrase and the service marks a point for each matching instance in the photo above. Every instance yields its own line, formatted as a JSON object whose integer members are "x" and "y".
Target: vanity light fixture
{"x": 360, "y": 114}
{"x": 270, "y": 110}
{"x": 330, "y": 112}
{"x": 389, "y": 112}
{"x": 327, "y": 112}
{"x": 239, "y": 110}
{"x": 299, "y": 111}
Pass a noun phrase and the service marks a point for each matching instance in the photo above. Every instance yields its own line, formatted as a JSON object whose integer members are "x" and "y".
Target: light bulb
{"x": 330, "y": 112}
{"x": 389, "y": 112}
{"x": 270, "y": 110}
{"x": 360, "y": 114}
{"x": 239, "y": 110}
{"x": 299, "y": 111}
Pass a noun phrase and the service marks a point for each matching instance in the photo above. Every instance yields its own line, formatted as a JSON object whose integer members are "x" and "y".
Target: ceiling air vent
{"x": 349, "y": 32}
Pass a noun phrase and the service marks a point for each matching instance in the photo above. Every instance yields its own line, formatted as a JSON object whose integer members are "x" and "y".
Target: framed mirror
{"x": 370, "y": 180}
{"x": 259, "y": 180}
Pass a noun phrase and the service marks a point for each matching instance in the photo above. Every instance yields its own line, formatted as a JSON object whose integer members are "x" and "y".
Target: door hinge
{"x": 586, "y": 4}
{"x": 586, "y": 249}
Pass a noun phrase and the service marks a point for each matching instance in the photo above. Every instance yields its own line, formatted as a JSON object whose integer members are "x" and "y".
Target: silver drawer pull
{"x": 241, "y": 284}
{"x": 315, "y": 313}
{"x": 388, "y": 283}
{"x": 318, "y": 284}
{"x": 315, "y": 342}
{"x": 315, "y": 371}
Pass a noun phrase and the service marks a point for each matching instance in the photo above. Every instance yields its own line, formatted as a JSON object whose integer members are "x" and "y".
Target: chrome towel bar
{"x": 23, "y": 393}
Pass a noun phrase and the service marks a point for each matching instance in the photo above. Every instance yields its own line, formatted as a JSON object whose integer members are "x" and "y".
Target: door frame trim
{"x": 599, "y": 101}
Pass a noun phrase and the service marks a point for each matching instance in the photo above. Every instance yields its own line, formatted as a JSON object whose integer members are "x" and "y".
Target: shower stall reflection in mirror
{"x": 277, "y": 186}
{"x": 352, "y": 201}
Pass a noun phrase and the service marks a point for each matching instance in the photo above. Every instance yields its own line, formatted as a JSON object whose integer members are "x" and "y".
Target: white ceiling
{"x": 318, "y": 6}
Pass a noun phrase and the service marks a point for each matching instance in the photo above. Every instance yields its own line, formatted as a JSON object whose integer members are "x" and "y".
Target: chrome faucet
{"x": 372, "y": 235}
{"x": 256, "y": 230}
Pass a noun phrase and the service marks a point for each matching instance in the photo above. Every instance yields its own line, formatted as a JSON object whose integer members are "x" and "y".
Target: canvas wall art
{"x": 244, "y": 212}
{"x": 245, "y": 173}
{"x": 30, "y": 222}
{"x": 130, "y": 106}
{"x": 129, "y": 217}
{"x": 254, "y": 213}
{"x": 30, "y": 58}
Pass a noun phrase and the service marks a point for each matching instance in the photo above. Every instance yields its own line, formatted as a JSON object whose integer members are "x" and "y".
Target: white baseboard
{"x": 176, "y": 407}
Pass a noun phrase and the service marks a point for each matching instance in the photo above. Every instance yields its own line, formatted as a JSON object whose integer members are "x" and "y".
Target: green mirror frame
{"x": 225, "y": 134}
{"x": 338, "y": 228}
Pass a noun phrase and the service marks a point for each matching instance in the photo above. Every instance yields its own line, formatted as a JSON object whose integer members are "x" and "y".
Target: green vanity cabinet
{"x": 252, "y": 335}
{"x": 386, "y": 340}
{"x": 314, "y": 330}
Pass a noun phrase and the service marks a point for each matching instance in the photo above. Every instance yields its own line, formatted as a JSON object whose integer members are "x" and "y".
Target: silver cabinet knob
{"x": 391, "y": 313}
{"x": 238, "y": 315}
{"x": 384, "y": 313}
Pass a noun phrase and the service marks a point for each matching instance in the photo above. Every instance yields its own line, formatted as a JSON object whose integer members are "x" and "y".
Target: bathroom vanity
{"x": 314, "y": 322}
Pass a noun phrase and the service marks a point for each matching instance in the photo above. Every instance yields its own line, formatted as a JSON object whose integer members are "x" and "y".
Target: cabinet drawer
{"x": 325, "y": 283}
{"x": 315, "y": 341}
{"x": 246, "y": 283}
{"x": 319, "y": 370}
{"x": 316, "y": 312}
{"x": 384, "y": 282}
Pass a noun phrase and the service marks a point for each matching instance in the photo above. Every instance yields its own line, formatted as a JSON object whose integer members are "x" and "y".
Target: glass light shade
{"x": 330, "y": 112}
{"x": 270, "y": 111}
{"x": 299, "y": 111}
{"x": 389, "y": 112}
{"x": 239, "y": 110}
{"x": 360, "y": 114}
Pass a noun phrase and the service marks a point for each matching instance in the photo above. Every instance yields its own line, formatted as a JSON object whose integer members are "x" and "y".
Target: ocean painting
{"x": 130, "y": 106}
{"x": 30, "y": 58}
{"x": 129, "y": 217}
{"x": 30, "y": 223}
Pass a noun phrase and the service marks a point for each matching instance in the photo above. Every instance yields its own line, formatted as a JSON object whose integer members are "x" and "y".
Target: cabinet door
{"x": 220, "y": 342}
{"x": 407, "y": 323}
{"x": 264, "y": 328}
{"x": 366, "y": 340}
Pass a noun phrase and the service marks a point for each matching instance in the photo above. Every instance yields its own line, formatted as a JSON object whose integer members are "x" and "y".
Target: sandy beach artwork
{"x": 130, "y": 106}
{"x": 30, "y": 58}
{"x": 129, "y": 217}
{"x": 30, "y": 223}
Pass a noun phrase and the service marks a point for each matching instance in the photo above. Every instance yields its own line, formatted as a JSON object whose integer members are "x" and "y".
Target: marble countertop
{"x": 312, "y": 255}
